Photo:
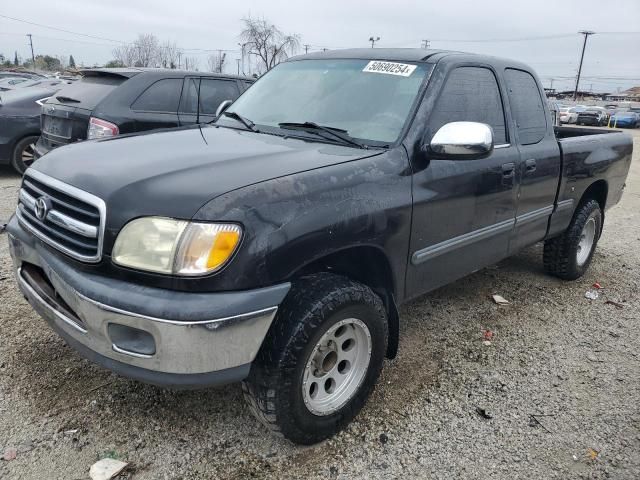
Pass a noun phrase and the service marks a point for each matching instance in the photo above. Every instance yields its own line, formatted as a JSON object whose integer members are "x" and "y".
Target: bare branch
{"x": 267, "y": 42}
{"x": 191, "y": 63}
{"x": 145, "y": 51}
{"x": 216, "y": 61}
{"x": 169, "y": 55}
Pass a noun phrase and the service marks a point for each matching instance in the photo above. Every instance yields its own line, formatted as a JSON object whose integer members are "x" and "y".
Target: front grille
{"x": 62, "y": 216}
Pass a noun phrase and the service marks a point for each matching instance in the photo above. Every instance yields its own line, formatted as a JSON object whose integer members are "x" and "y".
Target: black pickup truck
{"x": 275, "y": 246}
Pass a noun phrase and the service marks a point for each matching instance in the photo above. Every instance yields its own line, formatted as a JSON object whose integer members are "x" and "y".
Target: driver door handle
{"x": 508, "y": 169}
{"x": 530, "y": 165}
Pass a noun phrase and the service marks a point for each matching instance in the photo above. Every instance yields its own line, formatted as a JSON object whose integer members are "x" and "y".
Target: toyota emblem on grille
{"x": 51, "y": 109}
{"x": 42, "y": 207}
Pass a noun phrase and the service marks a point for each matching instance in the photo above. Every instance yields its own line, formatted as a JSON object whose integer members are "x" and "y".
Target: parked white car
{"x": 568, "y": 115}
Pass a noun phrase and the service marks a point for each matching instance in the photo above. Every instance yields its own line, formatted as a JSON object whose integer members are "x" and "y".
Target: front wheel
{"x": 23, "y": 154}
{"x": 569, "y": 255}
{"x": 320, "y": 360}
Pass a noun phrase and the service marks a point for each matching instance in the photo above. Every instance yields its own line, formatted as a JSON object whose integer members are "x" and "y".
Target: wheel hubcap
{"x": 337, "y": 366}
{"x": 587, "y": 238}
{"x": 27, "y": 154}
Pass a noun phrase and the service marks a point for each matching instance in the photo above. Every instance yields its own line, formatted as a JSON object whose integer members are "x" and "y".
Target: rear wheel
{"x": 320, "y": 360}
{"x": 569, "y": 255}
{"x": 23, "y": 154}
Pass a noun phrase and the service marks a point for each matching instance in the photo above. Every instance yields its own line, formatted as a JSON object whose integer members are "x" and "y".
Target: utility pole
{"x": 306, "y": 48}
{"x": 373, "y": 41}
{"x": 222, "y": 60}
{"x": 238, "y": 62}
{"x": 425, "y": 44}
{"x": 242, "y": 48}
{"x": 551, "y": 86}
{"x": 33, "y": 57}
{"x": 586, "y": 34}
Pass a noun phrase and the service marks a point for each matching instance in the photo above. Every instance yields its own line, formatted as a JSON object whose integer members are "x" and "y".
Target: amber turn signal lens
{"x": 223, "y": 247}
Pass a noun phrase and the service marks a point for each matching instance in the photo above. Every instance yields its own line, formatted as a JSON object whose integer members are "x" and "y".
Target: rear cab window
{"x": 526, "y": 106}
{"x": 161, "y": 96}
{"x": 471, "y": 94}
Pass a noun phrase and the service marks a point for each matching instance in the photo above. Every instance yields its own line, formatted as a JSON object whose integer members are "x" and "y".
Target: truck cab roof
{"x": 413, "y": 55}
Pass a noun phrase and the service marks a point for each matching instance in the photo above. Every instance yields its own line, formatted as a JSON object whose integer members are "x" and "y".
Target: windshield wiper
{"x": 243, "y": 120}
{"x": 313, "y": 127}
{"x": 62, "y": 98}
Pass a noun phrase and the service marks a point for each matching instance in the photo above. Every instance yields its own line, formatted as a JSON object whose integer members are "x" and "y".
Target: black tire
{"x": 561, "y": 253}
{"x": 273, "y": 389}
{"x": 22, "y": 148}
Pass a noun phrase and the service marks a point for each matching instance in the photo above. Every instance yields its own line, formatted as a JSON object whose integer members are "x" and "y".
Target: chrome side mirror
{"x": 223, "y": 106}
{"x": 462, "y": 140}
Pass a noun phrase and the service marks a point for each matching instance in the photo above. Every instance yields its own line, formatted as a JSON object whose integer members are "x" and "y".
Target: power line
{"x": 499, "y": 40}
{"x": 194, "y": 51}
{"x": 516, "y": 39}
{"x": 618, "y": 33}
{"x": 60, "y": 29}
{"x": 73, "y": 40}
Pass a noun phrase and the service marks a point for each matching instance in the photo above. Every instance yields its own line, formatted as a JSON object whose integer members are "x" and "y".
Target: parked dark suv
{"x": 112, "y": 101}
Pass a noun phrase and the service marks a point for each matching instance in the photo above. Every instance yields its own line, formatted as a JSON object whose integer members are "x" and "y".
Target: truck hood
{"x": 173, "y": 173}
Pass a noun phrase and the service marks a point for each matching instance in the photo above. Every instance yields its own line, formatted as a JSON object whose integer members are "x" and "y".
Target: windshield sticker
{"x": 390, "y": 68}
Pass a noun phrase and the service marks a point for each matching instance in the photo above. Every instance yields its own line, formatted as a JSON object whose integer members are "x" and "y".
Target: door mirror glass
{"x": 223, "y": 106}
{"x": 462, "y": 140}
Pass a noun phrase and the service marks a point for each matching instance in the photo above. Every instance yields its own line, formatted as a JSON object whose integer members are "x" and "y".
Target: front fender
{"x": 292, "y": 220}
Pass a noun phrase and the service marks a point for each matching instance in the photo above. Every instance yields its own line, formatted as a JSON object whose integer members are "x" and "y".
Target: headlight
{"x": 177, "y": 247}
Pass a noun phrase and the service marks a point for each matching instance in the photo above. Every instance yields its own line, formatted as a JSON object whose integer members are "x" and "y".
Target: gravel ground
{"x": 554, "y": 394}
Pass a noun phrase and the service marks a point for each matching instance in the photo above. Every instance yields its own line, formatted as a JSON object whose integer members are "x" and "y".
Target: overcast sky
{"x": 611, "y": 62}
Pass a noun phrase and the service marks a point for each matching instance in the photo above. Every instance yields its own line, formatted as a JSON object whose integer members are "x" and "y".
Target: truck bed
{"x": 590, "y": 157}
{"x": 570, "y": 132}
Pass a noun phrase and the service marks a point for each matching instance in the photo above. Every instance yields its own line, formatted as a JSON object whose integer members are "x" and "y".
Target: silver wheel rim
{"x": 336, "y": 367}
{"x": 587, "y": 238}
{"x": 27, "y": 154}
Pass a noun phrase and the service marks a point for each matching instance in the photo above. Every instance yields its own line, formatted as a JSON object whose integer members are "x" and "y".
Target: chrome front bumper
{"x": 147, "y": 343}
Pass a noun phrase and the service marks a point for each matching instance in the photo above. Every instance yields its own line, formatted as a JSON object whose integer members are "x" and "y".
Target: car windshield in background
{"x": 369, "y": 100}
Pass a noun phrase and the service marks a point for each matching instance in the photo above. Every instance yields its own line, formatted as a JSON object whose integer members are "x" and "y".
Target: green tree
{"x": 15, "y": 60}
{"x": 114, "y": 64}
{"x": 72, "y": 62}
{"x": 47, "y": 62}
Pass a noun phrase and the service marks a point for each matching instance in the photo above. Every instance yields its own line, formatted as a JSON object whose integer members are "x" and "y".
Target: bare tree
{"x": 191, "y": 63}
{"x": 267, "y": 42}
{"x": 148, "y": 50}
{"x": 215, "y": 61}
{"x": 145, "y": 51}
{"x": 170, "y": 54}
{"x": 125, "y": 55}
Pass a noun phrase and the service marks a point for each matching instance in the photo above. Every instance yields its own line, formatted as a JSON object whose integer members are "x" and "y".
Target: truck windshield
{"x": 368, "y": 100}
